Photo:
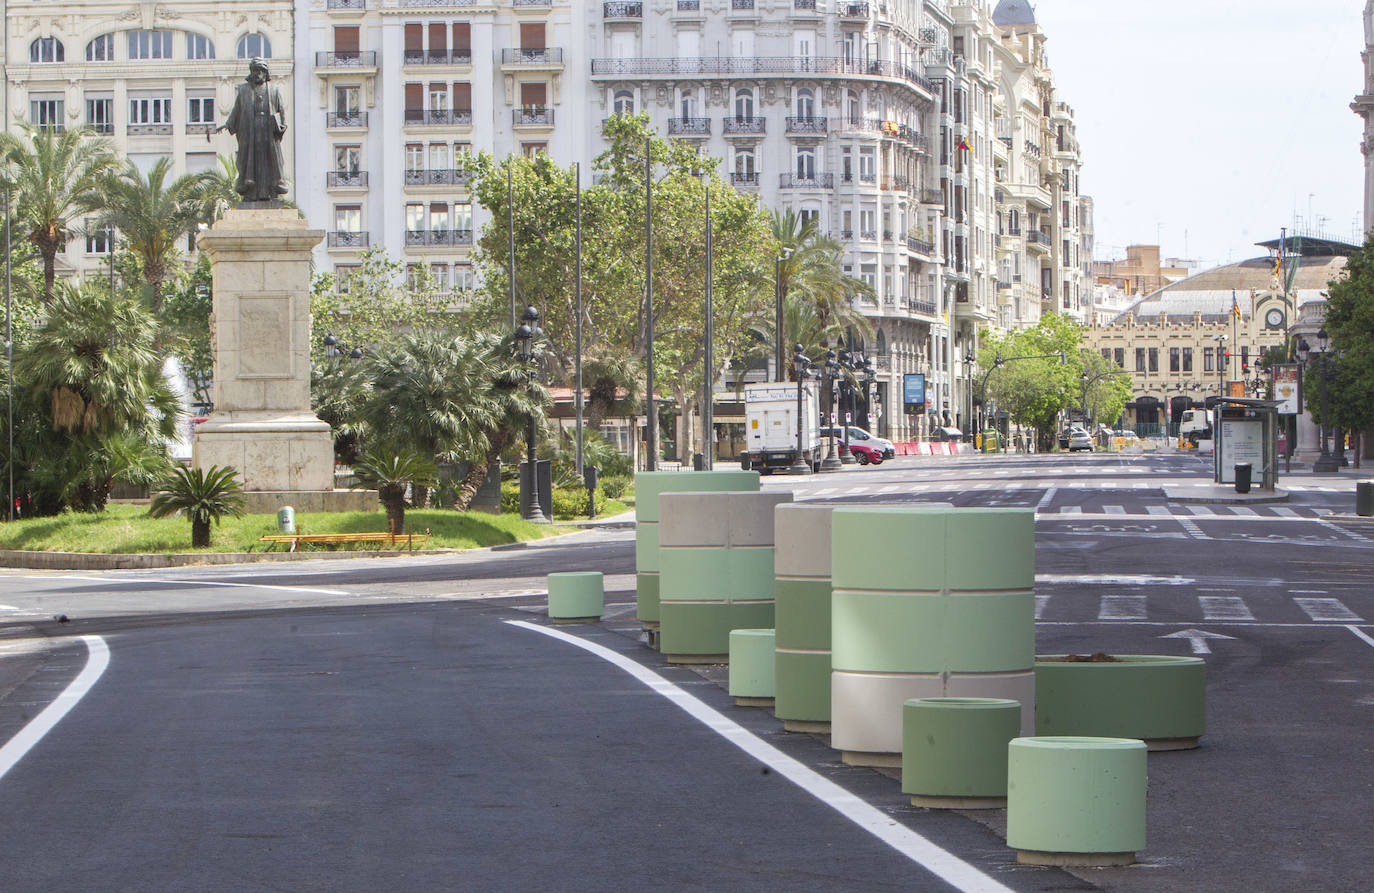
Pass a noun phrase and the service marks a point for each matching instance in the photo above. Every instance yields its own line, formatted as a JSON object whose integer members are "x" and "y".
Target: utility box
{"x": 1245, "y": 432}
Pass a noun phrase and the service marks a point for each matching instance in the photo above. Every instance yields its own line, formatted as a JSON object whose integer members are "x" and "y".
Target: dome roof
{"x": 1013, "y": 12}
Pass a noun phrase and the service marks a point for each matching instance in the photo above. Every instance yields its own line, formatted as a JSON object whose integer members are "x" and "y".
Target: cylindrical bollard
{"x": 286, "y": 519}
{"x": 751, "y": 667}
{"x": 919, "y": 610}
{"x": 715, "y": 556}
{"x": 1158, "y": 698}
{"x": 954, "y": 751}
{"x": 1364, "y": 498}
{"x": 1242, "y": 477}
{"x": 1076, "y": 801}
{"x": 801, "y": 589}
{"x": 576, "y": 596}
{"x": 648, "y": 486}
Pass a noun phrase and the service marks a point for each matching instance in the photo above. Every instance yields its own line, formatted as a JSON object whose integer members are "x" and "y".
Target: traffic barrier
{"x": 954, "y": 751}
{"x": 576, "y": 596}
{"x": 919, "y": 611}
{"x": 715, "y": 553}
{"x": 752, "y": 679}
{"x": 649, "y": 485}
{"x": 1076, "y": 801}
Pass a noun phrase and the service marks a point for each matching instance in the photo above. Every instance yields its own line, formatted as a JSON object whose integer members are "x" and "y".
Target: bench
{"x": 404, "y": 541}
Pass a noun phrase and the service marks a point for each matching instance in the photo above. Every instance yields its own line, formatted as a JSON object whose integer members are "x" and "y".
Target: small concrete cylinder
{"x": 1364, "y": 498}
{"x": 1076, "y": 801}
{"x": 751, "y": 667}
{"x": 576, "y": 596}
{"x": 954, "y": 751}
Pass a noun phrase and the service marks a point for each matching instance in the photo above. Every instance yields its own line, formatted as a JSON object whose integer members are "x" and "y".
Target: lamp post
{"x": 832, "y": 462}
{"x": 1326, "y": 462}
{"x": 525, "y": 335}
{"x": 780, "y": 297}
{"x": 334, "y": 348}
{"x": 1221, "y": 363}
{"x": 845, "y": 363}
{"x": 970, "y": 364}
{"x": 802, "y": 366}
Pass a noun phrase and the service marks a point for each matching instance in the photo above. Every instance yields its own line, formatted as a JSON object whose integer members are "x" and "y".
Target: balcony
{"x": 1036, "y": 238}
{"x": 437, "y": 57}
{"x": 620, "y": 9}
{"x": 741, "y": 4}
{"x": 689, "y": 5}
{"x": 346, "y": 179}
{"x": 850, "y": 12}
{"x": 868, "y": 235}
{"x": 357, "y": 59}
{"x": 531, "y": 2}
{"x": 532, "y": 117}
{"x": 344, "y": 239}
{"x": 932, "y": 197}
{"x": 919, "y": 246}
{"x": 443, "y": 177}
{"x": 345, "y": 119}
{"x": 897, "y": 183}
{"x": 419, "y": 4}
{"x": 431, "y": 237}
{"x": 812, "y": 181}
{"x": 107, "y": 128}
{"x": 744, "y": 125}
{"x": 745, "y": 181}
{"x": 924, "y": 308}
{"x": 346, "y": 4}
{"x": 533, "y": 57}
{"x": 804, "y": 5}
{"x": 808, "y": 125}
{"x": 134, "y": 129}
{"x": 689, "y": 126}
{"x": 195, "y": 128}
{"x": 694, "y": 66}
{"x": 438, "y": 118}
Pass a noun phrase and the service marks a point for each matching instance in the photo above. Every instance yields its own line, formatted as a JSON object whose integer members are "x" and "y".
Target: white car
{"x": 866, "y": 448}
{"x": 1080, "y": 440}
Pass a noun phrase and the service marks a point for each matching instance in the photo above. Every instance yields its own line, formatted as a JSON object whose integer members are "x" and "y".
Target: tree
{"x": 1350, "y": 323}
{"x": 54, "y": 178}
{"x": 390, "y": 472}
{"x": 1106, "y": 388}
{"x": 153, "y": 217}
{"x": 1035, "y": 391}
{"x": 186, "y": 306}
{"x": 812, "y": 266}
{"x": 376, "y": 302}
{"x": 203, "y": 496}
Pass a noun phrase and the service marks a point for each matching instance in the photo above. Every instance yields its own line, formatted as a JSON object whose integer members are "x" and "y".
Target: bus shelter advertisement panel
{"x": 1287, "y": 388}
{"x": 1241, "y": 440}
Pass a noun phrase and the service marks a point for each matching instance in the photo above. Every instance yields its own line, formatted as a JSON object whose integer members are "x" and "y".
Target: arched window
{"x": 1014, "y": 222}
{"x": 47, "y": 49}
{"x": 744, "y": 103}
{"x": 101, "y": 49}
{"x": 623, "y": 103}
{"x": 806, "y": 103}
{"x": 880, "y": 344}
{"x": 254, "y": 46}
{"x": 198, "y": 46}
{"x": 688, "y": 103}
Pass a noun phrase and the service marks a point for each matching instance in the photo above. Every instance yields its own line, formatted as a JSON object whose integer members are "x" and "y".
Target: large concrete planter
{"x": 1161, "y": 699}
{"x": 715, "y": 555}
{"x": 649, "y": 485}
{"x": 802, "y": 592}
{"x": 954, "y": 751}
{"x": 921, "y": 610}
{"x": 1076, "y": 800}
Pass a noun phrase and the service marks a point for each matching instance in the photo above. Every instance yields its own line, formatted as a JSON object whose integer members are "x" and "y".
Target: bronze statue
{"x": 258, "y": 119}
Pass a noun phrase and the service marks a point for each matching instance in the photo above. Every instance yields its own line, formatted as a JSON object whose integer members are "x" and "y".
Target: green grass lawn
{"x": 126, "y": 529}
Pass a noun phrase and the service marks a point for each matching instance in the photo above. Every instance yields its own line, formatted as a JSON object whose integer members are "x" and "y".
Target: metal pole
{"x": 778, "y": 354}
{"x": 9, "y": 352}
{"x": 708, "y": 417}
{"x": 651, "y": 460}
{"x": 510, "y": 227}
{"x": 577, "y": 328}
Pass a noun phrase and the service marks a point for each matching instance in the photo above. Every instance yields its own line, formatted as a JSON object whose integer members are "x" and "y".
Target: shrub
{"x": 615, "y": 485}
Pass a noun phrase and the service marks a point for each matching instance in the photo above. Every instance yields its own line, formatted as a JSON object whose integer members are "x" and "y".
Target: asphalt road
{"x": 369, "y": 724}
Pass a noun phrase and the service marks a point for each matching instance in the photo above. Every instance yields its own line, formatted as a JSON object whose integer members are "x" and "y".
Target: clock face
{"x": 1274, "y": 318}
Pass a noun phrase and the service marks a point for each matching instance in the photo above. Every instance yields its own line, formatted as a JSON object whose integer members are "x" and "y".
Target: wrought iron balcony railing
{"x": 748, "y": 180}
{"x": 346, "y": 4}
{"x": 438, "y": 237}
{"x": 533, "y": 117}
{"x": 346, "y": 119}
{"x": 350, "y": 59}
{"x": 345, "y": 239}
{"x": 532, "y": 56}
{"x": 439, "y": 117}
{"x": 807, "y": 124}
{"x": 341, "y": 179}
{"x": 744, "y": 124}
{"x": 689, "y": 126}
{"x": 804, "y": 181}
{"x": 437, "y": 57}
{"x": 621, "y": 9}
{"x": 440, "y": 177}
{"x": 679, "y": 66}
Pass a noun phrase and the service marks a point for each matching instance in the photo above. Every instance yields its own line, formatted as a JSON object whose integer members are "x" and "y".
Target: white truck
{"x": 1195, "y": 427}
{"x": 770, "y": 426}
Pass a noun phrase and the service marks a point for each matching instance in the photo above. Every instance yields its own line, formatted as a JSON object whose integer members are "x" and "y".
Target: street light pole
{"x": 525, "y": 336}
{"x": 846, "y": 363}
{"x": 832, "y": 462}
{"x": 1327, "y": 462}
{"x": 800, "y": 465}
{"x": 780, "y": 297}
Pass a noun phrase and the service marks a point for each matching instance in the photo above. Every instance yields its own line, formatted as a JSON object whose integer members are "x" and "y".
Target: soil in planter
{"x": 1097, "y": 658}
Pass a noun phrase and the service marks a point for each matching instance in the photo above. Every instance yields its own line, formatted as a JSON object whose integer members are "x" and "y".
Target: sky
{"x": 1206, "y": 125}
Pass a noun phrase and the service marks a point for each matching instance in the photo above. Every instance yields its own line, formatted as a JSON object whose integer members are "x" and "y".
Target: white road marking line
{"x": 1116, "y": 579}
{"x": 918, "y": 849}
{"x": 1284, "y": 511}
{"x": 1328, "y": 610}
{"x": 1308, "y": 592}
{"x": 1159, "y": 510}
{"x": 1244, "y": 511}
{"x": 1343, "y": 531}
{"x": 1071, "y": 510}
{"x": 1359, "y": 632}
{"x": 1201, "y": 510}
{"x": 1046, "y": 499}
{"x": 891, "y": 489}
{"x": 1041, "y": 603}
{"x": 1193, "y": 530}
{"x": 175, "y": 582}
{"x": 1218, "y": 607}
{"x": 97, "y": 659}
{"x": 1114, "y": 509}
{"x": 1121, "y": 607}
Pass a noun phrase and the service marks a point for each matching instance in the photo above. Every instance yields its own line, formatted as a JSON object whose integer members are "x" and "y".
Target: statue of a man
{"x": 258, "y": 119}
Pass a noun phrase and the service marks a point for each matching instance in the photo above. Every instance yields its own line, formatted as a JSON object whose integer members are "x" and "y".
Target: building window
{"x": 101, "y": 49}
{"x": 1119, "y": 356}
{"x": 254, "y": 46}
{"x": 200, "y": 110}
{"x": 624, "y": 103}
{"x": 1187, "y": 359}
{"x": 198, "y": 46}
{"x": 100, "y": 114}
{"x": 806, "y": 103}
{"x": 347, "y": 101}
{"x": 1208, "y": 360}
{"x": 744, "y": 103}
{"x": 98, "y": 238}
{"x": 529, "y": 150}
{"x": 415, "y": 218}
{"x": 348, "y": 218}
{"x": 150, "y": 44}
{"x": 1140, "y": 359}
{"x": 415, "y": 157}
{"x": 157, "y": 110}
{"x": 688, "y": 104}
{"x": 744, "y": 163}
{"x": 806, "y": 164}
{"x": 343, "y": 277}
{"x": 46, "y": 112}
{"x": 1154, "y": 359}
{"x": 47, "y": 49}
{"x": 1175, "y": 361}
{"x": 348, "y": 159}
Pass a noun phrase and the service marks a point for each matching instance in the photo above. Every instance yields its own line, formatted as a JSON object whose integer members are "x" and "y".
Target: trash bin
{"x": 698, "y": 462}
{"x": 1242, "y": 477}
{"x": 286, "y": 519}
{"x": 1364, "y": 498}
{"x": 990, "y": 441}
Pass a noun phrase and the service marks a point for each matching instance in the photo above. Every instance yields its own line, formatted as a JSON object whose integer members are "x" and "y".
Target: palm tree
{"x": 812, "y": 266}
{"x": 390, "y": 472}
{"x": 54, "y": 177}
{"x": 153, "y": 216}
{"x": 215, "y": 192}
{"x": 612, "y": 380}
{"x": 203, "y": 496}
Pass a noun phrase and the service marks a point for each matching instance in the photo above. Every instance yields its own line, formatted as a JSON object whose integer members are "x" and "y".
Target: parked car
{"x": 1064, "y": 436}
{"x": 866, "y": 448}
{"x": 1080, "y": 440}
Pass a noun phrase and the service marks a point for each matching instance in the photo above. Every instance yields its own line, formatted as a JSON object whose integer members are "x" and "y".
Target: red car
{"x": 867, "y": 449}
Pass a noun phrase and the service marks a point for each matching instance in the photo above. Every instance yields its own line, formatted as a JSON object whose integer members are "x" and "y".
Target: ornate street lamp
{"x": 1323, "y": 368}
{"x": 845, "y": 363}
{"x": 334, "y": 348}
{"x": 832, "y": 462}
{"x": 802, "y": 366}
{"x": 525, "y": 335}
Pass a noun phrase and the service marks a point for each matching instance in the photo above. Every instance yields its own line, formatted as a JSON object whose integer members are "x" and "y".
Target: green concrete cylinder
{"x": 649, "y": 485}
{"x": 1076, "y": 800}
{"x": 715, "y": 556}
{"x": 928, "y": 602}
{"x": 1159, "y": 698}
{"x": 576, "y": 596}
{"x": 802, "y": 611}
{"x": 751, "y": 667}
{"x": 954, "y": 751}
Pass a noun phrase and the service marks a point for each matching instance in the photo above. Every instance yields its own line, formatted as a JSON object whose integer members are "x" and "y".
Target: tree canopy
{"x": 1350, "y": 323}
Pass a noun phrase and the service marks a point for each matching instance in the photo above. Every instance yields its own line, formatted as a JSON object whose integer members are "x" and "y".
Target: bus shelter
{"x": 1245, "y": 430}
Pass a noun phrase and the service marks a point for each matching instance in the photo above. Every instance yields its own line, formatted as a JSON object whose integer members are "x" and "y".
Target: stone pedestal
{"x": 262, "y": 424}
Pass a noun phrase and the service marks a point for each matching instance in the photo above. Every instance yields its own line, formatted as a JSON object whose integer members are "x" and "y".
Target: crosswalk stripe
{"x": 1071, "y": 510}
{"x": 1041, "y": 602}
{"x": 1244, "y": 511}
{"x": 1114, "y": 509}
{"x": 1121, "y": 607}
{"x": 1158, "y": 510}
{"x": 1327, "y": 610}
{"x": 1284, "y": 511}
{"x": 1224, "y": 607}
{"x": 1201, "y": 510}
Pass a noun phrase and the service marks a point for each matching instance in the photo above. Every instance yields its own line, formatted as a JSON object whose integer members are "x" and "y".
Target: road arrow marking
{"x": 1197, "y": 638}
